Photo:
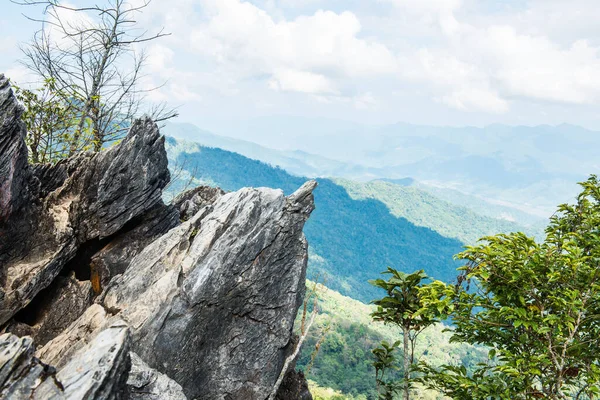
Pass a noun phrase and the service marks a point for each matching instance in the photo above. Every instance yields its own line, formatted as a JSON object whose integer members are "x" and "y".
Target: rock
{"x": 189, "y": 202}
{"x": 145, "y": 383}
{"x": 115, "y": 186}
{"x": 114, "y": 258}
{"x": 223, "y": 285}
{"x": 211, "y": 303}
{"x": 97, "y": 371}
{"x": 54, "y": 214}
{"x": 13, "y": 154}
{"x": 54, "y": 309}
{"x": 20, "y": 372}
{"x": 61, "y": 349}
{"x": 203, "y": 293}
{"x": 294, "y": 386}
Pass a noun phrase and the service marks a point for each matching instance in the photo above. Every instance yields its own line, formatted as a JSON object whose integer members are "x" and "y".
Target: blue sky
{"x": 438, "y": 62}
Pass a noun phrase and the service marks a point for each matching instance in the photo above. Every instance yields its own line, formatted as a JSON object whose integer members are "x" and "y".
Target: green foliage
{"x": 536, "y": 306}
{"x": 385, "y": 361}
{"x": 401, "y": 307}
{"x": 402, "y": 303}
{"x": 322, "y": 393}
{"x": 344, "y": 362}
{"x": 50, "y": 121}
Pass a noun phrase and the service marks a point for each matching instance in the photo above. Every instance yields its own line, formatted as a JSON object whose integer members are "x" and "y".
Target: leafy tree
{"x": 385, "y": 360}
{"x": 536, "y": 306}
{"x": 49, "y": 120}
{"x": 400, "y": 307}
{"x": 92, "y": 56}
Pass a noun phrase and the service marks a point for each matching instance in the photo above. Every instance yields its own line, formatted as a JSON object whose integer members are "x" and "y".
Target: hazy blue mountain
{"x": 296, "y": 162}
{"x": 531, "y": 168}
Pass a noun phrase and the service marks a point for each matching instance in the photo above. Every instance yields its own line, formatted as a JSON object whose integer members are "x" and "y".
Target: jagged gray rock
{"x": 189, "y": 202}
{"x": 50, "y": 213}
{"x": 145, "y": 383}
{"x": 207, "y": 288}
{"x": 99, "y": 370}
{"x": 294, "y": 386}
{"x": 223, "y": 285}
{"x": 54, "y": 309}
{"x": 61, "y": 349}
{"x": 114, "y": 258}
{"x": 13, "y": 154}
{"x": 20, "y": 372}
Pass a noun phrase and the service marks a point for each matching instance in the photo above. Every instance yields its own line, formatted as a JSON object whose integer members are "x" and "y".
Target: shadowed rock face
{"x": 202, "y": 293}
{"x": 13, "y": 163}
{"x": 51, "y": 212}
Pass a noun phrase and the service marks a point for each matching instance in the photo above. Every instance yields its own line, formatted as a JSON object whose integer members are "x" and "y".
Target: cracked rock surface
{"x": 129, "y": 298}
{"x": 97, "y": 371}
{"x": 52, "y": 212}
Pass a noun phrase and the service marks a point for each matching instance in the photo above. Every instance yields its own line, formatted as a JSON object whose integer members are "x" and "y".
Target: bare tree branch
{"x": 94, "y": 66}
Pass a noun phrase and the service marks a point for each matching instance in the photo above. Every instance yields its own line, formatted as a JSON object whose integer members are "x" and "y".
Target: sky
{"x": 433, "y": 62}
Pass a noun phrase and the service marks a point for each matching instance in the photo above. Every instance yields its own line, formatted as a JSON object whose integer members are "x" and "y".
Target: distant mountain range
{"x": 353, "y": 234}
{"x": 527, "y": 168}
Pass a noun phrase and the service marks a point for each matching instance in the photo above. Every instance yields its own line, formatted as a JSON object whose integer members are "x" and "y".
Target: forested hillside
{"x": 424, "y": 209}
{"x": 344, "y": 360}
{"x": 351, "y": 241}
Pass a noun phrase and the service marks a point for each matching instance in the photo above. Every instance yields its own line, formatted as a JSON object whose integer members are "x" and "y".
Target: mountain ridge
{"x": 351, "y": 240}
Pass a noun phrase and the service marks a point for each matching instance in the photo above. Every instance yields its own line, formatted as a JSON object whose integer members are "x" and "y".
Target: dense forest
{"x": 424, "y": 209}
{"x": 347, "y": 335}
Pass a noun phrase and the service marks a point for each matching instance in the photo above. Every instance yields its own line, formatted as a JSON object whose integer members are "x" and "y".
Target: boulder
{"x": 225, "y": 286}
{"x": 145, "y": 383}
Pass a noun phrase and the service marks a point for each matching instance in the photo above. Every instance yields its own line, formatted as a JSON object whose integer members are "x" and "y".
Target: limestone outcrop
{"x": 126, "y": 297}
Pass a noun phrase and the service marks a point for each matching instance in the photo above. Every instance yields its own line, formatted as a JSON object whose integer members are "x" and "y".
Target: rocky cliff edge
{"x": 108, "y": 293}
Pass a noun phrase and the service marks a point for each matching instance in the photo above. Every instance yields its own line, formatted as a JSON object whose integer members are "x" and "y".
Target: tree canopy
{"x": 535, "y": 306}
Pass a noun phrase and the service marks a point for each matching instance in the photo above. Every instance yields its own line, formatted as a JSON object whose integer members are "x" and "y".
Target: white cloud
{"x": 159, "y": 58}
{"x": 301, "y": 81}
{"x": 457, "y": 52}
{"x": 537, "y": 68}
{"x": 474, "y": 99}
{"x": 365, "y": 101}
{"x": 19, "y": 75}
{"x": 427, "y": 6}
{"x": 304, "y": 54}
{"x": 481, "y": 62}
